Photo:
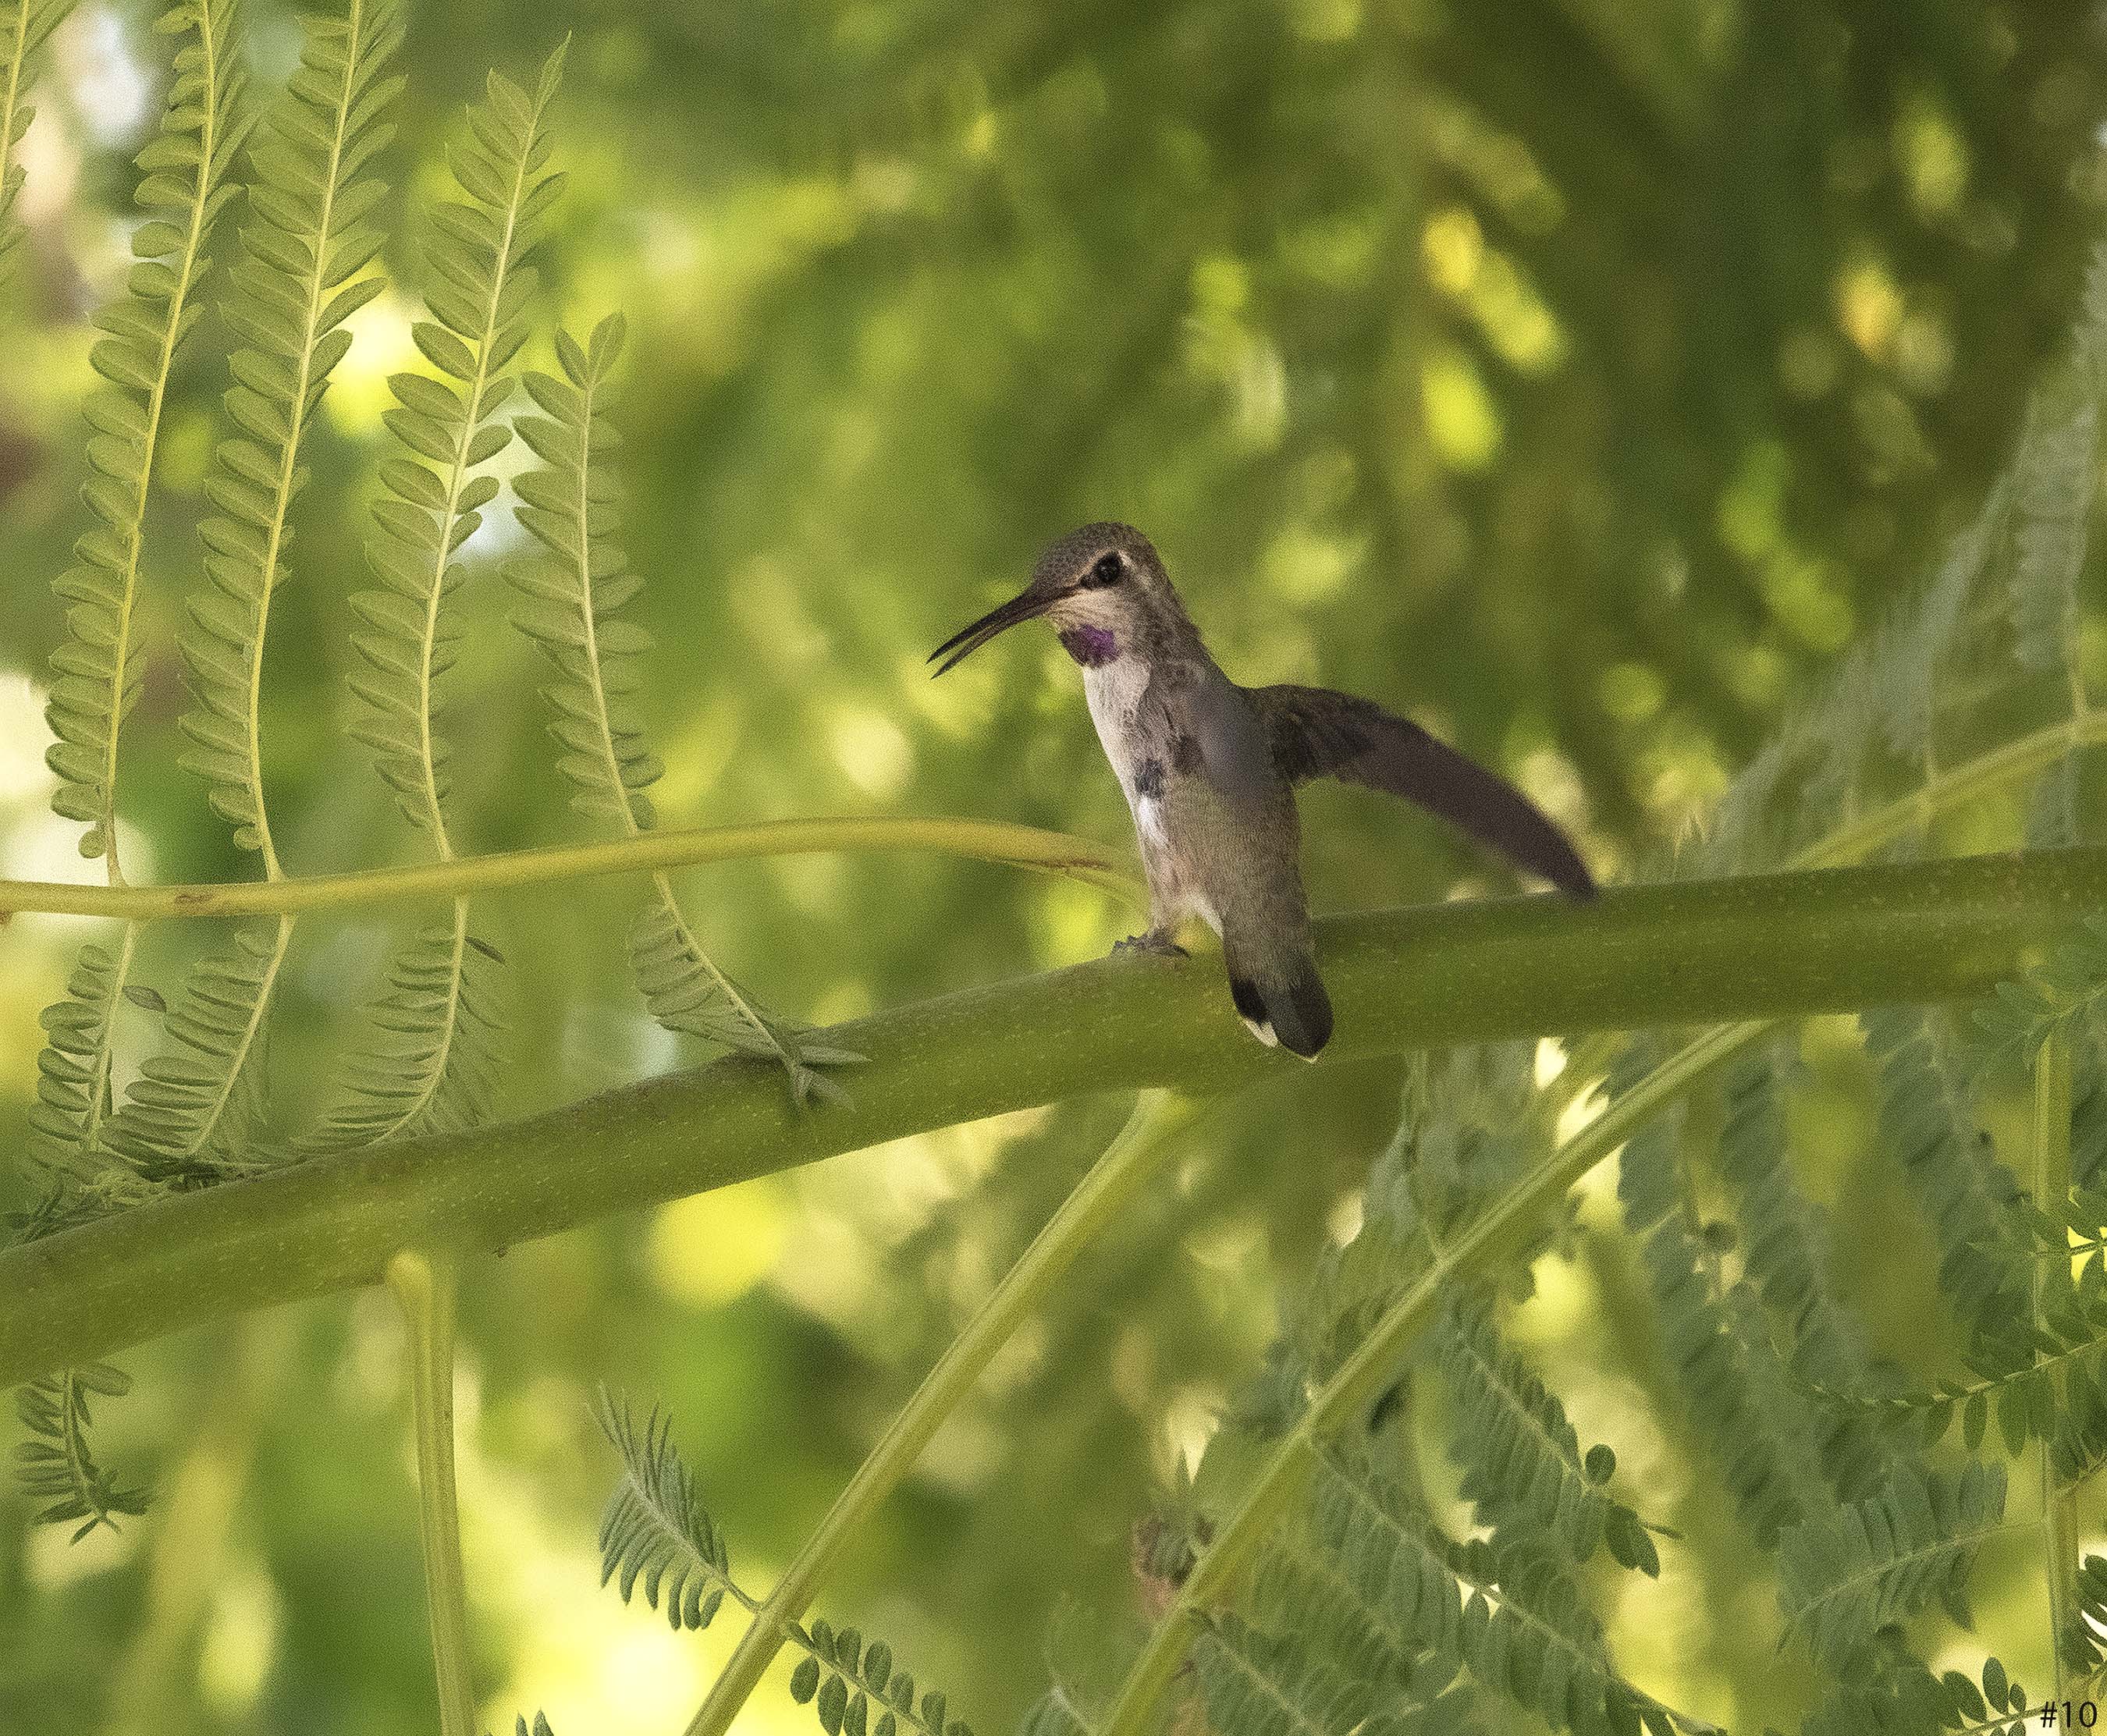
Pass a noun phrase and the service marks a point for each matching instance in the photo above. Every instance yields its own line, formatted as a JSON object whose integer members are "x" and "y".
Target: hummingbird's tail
{"x": 1281, "y": 1000}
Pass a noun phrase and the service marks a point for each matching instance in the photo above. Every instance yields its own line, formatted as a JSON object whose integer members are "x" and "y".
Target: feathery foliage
{"x": 435, "y": 484}
{"x": 311, "y": 237}
{"x": 1264, "y": 1686}
{"x": 2067, "y": 987}
{"x": 24, "y": 27}
{"x": 656, "y": 1530}
{"x": 1523, "y": 1465}
{"x": 657, "y": 1534}
{"x": 1844, "y": 1576}
{"x": 57, "y": 1464}
{"x": 574, "y": 594}
{"x": 192, "y": 1115}
{"x": 183, "y": 189}
{"x": 73, "y": 1070}
{"x": 1896, "y": 1692}
{"x": 428, "y": 1064}
{"x": 1927, "y": 1122}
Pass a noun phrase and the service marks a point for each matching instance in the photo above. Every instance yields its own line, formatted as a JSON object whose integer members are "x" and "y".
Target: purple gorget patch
{"x": 1090, "y": 646}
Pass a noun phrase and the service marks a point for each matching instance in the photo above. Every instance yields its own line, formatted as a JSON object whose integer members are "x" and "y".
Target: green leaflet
{"x": 573, "y": 595}
{"x": 310, "y": 238}
{"x": 429, "y": 1062}
{"x": 2056, "y": 475}
{"x": 1524, "y": 1464}
{"x": 1927, "y": 1124}
{"x": 1842, "y": 1576}
{"x": 426, "y": 1067}
{"x": 1512, "y": 1616}
{"x": 183, "y": 188}
{"x": 191, "y": 1115}
{"x": 73, "y": 1070}
{"x": 657, "y": 1536}
{"x": 656, "y": 1532}
{"x": 2066, "y": 987}
{"x": 480, "y": 288}
{"x": 1897, "y": 1693}
{"x": 24, "y": 24}
{"x": 55, "y": 1464}
{"x": 1256, "y": 1683}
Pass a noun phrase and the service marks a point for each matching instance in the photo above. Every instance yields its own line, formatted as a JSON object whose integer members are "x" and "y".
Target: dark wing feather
{"x": 1315, "y": 733}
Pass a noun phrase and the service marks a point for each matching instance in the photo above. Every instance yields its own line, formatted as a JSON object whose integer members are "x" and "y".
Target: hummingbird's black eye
{"x": 1108, "y": 568}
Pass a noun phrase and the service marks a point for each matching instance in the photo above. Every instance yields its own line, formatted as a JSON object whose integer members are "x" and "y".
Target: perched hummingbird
{"x": 1209, "y": 770}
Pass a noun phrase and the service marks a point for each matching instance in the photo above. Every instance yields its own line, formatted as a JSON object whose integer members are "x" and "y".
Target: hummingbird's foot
{"x": 1157, "y": 942}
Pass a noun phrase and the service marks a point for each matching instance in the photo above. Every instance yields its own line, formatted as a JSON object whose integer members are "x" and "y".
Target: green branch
{"x": 984, "y": 840}
{"x": 1767, "y": 947}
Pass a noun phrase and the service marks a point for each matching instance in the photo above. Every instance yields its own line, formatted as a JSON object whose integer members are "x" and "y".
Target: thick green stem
{"x": 985, "y": 840}
{"x": 1763, "y": 947}
{"x": 1132, "y": 1157}
{"x": 423, "y": 1287}
{"x": 2051, "y": 1143}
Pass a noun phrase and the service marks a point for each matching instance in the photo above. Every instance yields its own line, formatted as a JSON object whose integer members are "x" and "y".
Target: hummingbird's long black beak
{"x": 1023, "y": 607}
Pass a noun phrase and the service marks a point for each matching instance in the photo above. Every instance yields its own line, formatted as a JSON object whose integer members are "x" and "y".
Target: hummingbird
{"x": 1209, "y": 770}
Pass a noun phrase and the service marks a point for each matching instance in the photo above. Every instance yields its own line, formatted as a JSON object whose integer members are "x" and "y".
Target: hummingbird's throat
{"x": 1092, "y": 646}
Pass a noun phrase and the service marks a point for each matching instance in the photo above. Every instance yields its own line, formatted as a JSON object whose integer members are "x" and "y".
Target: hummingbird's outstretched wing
{"x": 1315, "y": 733}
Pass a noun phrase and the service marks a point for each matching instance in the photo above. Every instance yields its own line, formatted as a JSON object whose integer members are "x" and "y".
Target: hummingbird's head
{"x": 1101, "y": 587}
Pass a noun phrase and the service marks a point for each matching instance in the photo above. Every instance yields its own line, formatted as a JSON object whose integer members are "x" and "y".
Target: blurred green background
{"x": 1578, "y": 375}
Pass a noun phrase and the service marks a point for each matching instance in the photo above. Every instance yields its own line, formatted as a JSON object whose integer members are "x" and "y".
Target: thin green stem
{"x": 1136, "y": 1153}
{"x": 1723, "y": 952}
{"x": 2052, "y": 1190}
{"x": 423, "y": 1287}
{"x": 984, "y": 840}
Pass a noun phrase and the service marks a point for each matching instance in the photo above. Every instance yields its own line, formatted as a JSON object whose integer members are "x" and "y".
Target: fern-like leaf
{"x": 1523, "y": 1463}
{"x": 856, "y": 1689}
{"x": 1771, "y": 1468}
{"x": 574, "y": 596}
{"x": 1925, "y": 1118}
{"x": 73, "y": 1071}
{"x": 657, "y": 1534}
{"x": 2068, "y": 985}
{"x": 1512, "y": 1616}
{"x": 429, "y": 1065}
{"x": 190, "y": 1115}
{"x": 1846, "y": 1573}
{"x": 2056, "y": 473}
{"x": 183, "y": 188}
{"x": 447, "y": 432}
{"x": 24, "y": 25}
{"x": 1257, "y": 1684}
{"x": 56, "y": 1464}
{"x": 1898, "y": 1692}
{"x": 310, "y": 238}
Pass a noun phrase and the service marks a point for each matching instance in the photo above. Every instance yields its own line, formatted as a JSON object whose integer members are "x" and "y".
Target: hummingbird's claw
{"x": 1157, "y": 942}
